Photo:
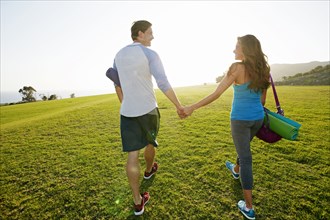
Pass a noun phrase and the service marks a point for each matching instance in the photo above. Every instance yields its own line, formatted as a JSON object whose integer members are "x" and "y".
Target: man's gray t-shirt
{"x": 136, "y": 64}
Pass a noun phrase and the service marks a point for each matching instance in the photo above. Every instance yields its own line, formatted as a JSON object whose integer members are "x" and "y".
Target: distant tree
{"x": 27, "y": 93}
{"x": 43, "y": 97}
{"x": 72, "y": 95}
{"x": 52, "y": 97}
{"x": 317, "y": 69}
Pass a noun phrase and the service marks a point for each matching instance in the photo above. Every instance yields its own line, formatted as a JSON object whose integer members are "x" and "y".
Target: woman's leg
{"x": 241, "y": 134}
{"x": 254, "y": 130}
{"x": 236, "y": 167}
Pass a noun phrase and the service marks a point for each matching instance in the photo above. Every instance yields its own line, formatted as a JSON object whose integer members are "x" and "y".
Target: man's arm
{"x": 119, "y": 93}
{"x": 158, "y": 72}
{"x": 170, "y": 94}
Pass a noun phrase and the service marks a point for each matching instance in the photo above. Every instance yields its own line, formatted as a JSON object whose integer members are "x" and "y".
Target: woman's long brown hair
{"x": 255, "y": 61}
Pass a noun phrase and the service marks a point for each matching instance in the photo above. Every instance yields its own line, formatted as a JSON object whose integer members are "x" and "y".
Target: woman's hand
{"x": 188, "y": 110}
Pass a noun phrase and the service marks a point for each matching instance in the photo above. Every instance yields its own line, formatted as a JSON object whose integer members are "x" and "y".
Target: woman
{"x": 250, "y": 80}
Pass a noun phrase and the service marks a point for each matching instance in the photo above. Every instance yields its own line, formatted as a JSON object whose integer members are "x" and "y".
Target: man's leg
{"x": 149, "y": 156}
{"x": 133, "y": 174}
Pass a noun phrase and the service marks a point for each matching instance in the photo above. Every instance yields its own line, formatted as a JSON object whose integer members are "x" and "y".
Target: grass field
{"x": 63, "y": 160}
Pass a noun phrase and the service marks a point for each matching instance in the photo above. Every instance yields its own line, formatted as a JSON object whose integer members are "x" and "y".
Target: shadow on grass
{"x": 137, "y": 217}
{"x": 237, "y": 190}
{"x": 145, "y": 184}
{"x": 143, "y": 216}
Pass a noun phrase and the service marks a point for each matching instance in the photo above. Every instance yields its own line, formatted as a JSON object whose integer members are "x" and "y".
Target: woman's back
{"x": 246, "y": 103}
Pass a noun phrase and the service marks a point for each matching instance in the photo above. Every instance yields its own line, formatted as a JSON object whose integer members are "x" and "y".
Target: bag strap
{"x": 278, "y": 106}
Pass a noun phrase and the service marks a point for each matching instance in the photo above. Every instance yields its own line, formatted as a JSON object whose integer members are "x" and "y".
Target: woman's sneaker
{"x": 248, "y": 214}
{"x": 152, "y": 172}
{"x": 139, "y": 209}
{"x": 230, "y": 167}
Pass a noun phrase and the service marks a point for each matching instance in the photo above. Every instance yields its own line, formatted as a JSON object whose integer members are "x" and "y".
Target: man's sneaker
{"x": 248, "y": 214}
{"x": 230, "y": 167}
{"x": 152, "y": 172}
{"x": 139, "y": 209}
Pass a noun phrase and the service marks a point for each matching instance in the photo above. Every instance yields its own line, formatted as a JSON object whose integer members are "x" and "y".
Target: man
{"x": 139, "y": 122}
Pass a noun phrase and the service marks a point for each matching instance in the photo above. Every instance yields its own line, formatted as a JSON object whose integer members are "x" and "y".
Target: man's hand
{"x": 180, "y": 111}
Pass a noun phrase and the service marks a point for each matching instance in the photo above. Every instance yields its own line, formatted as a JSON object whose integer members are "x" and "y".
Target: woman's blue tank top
{"x": 246, "y": 104}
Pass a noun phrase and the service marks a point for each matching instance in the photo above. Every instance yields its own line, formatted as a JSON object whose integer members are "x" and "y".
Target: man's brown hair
{"x": 137, "y": 26}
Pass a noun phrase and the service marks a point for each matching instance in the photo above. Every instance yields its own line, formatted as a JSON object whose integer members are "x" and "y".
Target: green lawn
{"x": 63, "y": 160}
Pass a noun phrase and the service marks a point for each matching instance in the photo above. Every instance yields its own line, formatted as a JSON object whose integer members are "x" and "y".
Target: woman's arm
{"x": 234, "y": 71}
{"x": 222, "y": 87}
{"x": 263, "y": 97}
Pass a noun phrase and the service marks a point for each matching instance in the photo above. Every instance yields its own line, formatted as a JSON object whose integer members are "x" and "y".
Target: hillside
{"x": 63, "y": 159}
{"x": 317, "y": 76}
{"x": 280, "y": 70}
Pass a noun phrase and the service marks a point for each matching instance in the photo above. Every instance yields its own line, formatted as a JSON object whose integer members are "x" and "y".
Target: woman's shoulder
{"x": 236, "y": 67}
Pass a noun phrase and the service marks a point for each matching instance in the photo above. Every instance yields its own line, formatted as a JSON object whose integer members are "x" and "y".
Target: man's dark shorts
{"x": 138, "y": 132}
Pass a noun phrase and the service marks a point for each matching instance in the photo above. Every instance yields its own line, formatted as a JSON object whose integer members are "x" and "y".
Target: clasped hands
{"x": 184, "y": 111}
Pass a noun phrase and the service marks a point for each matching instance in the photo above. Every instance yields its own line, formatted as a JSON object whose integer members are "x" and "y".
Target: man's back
{"x": 133, "y": 69}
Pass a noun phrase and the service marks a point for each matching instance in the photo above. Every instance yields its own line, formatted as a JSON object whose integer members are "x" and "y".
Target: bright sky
{"x": 69, "y": 45}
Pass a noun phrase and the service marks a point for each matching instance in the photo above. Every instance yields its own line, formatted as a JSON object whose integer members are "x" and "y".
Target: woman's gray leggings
{"x": 242, "y": 133}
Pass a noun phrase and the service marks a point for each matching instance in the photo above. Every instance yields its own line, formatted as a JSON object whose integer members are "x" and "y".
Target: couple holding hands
{"x": 132, "y": 72}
